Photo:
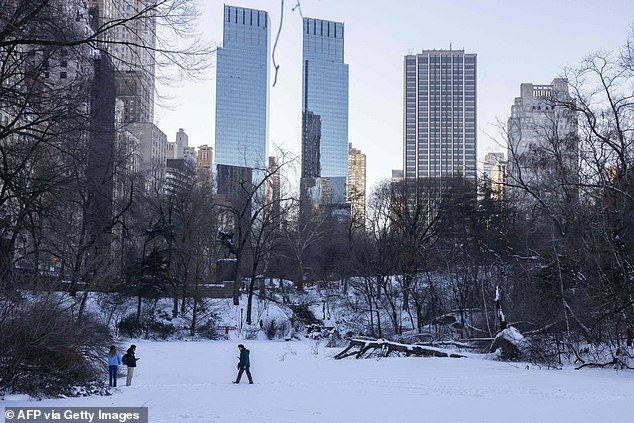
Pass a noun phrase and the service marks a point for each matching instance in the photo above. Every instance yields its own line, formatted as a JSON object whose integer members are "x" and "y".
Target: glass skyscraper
{"x": 242, "y": 89}
{"x": 440, "y": 115}
{"x": 324, "y": 112}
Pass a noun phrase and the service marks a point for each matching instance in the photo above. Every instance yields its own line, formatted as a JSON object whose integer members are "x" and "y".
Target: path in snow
{"x": 191, "y": 382}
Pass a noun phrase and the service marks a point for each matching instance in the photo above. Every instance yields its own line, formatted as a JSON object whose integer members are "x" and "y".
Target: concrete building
{"x": 152, "y": 151}
{"x": 176, "y": 149}
{"x": 204, "y": 163}
{"x": 131, "y": 47}
{"x": 324, "y": 114}
{"x": 101, "y": 153}
{"x": 543, "y": 148}
{"x": 357, "y": 184}
{"x": 439, "y": 115}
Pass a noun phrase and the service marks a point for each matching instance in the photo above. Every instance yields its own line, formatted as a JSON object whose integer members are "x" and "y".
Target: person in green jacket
{"x": 243, "y": 364}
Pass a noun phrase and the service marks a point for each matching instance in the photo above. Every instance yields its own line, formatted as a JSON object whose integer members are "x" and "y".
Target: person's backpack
{"x": 124, "y": 359}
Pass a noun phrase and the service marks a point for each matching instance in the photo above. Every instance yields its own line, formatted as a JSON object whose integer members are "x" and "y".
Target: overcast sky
{"x": 515, "y": 42}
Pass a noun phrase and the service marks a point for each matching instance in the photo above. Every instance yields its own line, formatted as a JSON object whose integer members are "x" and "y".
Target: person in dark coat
{"x": 114, "y": 361}
{"x": 131, "y": 363}
{"x": 244, "y": 364}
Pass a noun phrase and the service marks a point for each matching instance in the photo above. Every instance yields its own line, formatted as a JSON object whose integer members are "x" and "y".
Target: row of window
{"x": 252, "y": 21}
{"x": 333, "y": 29}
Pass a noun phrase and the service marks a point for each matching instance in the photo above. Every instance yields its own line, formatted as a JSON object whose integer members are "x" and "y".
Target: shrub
{"x": 129, "y": 326}
{"x": 44, "y": 352}
{"x": 271, "y": 330}
{"x": 157, "y": 328}
{"x": 209, "y": 330}
{"x": 277, "y": 329}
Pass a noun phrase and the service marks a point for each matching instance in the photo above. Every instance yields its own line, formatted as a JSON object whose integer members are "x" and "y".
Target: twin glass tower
{"x": 439, "y": 126}
{"x": 242, "y": 101}
{"x": 242, "y": 89}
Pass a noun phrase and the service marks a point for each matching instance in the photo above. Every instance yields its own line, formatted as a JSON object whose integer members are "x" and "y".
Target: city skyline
{"x": 514, "y": 43}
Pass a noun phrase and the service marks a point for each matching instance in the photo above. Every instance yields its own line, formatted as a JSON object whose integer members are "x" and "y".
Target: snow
{"x": 300, "y": 381}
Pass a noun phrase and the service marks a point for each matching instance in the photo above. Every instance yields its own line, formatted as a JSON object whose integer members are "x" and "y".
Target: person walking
{"x": 131, "y": 363}
{"x": 244, "y": 364}
{"x": 114, "y": 361}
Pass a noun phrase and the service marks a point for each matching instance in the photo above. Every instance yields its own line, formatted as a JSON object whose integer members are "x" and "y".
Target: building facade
{"x": 542, "y": 140}
{"x": 356, "y": 184}
{"x": 439, "y": 115}
{"x": 204, "y": 163}
{"x": 494, "y": 172}
{"x": 324, "y": 113}
{"x": 176, "y": 149}
{"x": 152, "y": 151}
{"x": 131, "y": 45}
{"x": 242, "y": 89}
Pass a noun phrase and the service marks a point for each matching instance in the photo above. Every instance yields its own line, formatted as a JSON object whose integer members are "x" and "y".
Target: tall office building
{"x": 356, "y": 184}
{"x": 324, "y": 113}
{"x": 131, "y": 45}
{"x": 540, "y": 124}
{"x": 439, "y": 134}
{"x": 242, "y": 90}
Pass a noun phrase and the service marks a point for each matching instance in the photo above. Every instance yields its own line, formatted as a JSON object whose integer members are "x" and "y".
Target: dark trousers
{"x": 112, "y": 373}
{"x": 242, "y": 370}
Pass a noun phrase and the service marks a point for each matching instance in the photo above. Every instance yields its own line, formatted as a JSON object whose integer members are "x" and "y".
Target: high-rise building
{"x": 131, "y": 45}
{"x": 439, "y": 134}
{"x": 101, "y": 152}
{"x": 152, "y": 151}
{"x": 242, "y": 90}
{"x": 356, "y": 184}
{"x": 543, "y": 144}
{"x": 176, "y": 149}
{"x": 324, "y": 113}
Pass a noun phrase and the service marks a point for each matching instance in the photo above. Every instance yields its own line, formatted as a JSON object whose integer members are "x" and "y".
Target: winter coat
{"x": 114, "y": 360}
{"x": 131, "y": 358}
{"x": 244, "y": 359}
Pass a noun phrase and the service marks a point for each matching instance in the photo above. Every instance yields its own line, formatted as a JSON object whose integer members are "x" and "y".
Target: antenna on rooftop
{"x": 449, "y": 46}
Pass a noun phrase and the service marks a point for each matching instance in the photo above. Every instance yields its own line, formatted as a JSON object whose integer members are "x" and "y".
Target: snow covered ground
{"x": 297, "y": 382}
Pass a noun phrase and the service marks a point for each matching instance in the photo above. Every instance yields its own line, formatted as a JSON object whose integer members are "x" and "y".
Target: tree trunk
{"x": 138, "y": 308}
{"x": 250, "y": 299}
{"x": 237, "y": 283}
{"x": 195, "y": 305}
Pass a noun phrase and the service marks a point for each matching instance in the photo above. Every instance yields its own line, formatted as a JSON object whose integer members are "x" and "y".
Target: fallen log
{"x": 359, "y": 348}
{"x": 616, "y": 362}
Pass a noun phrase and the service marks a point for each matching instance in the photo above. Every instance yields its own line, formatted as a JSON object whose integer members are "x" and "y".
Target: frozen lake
{"x": 297, "y": 382}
